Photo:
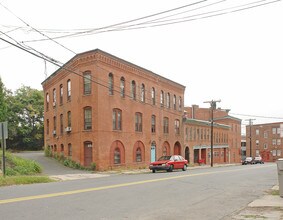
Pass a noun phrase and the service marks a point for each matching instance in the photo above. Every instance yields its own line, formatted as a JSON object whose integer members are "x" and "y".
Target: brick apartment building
{"x": 197, "y": 136}
{"x": 104, "y": 110}
{"x": 266, "y": 141}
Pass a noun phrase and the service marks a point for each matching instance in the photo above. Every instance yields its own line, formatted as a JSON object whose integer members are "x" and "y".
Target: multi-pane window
{"x": 265, "y": 134}
{"x": 153, "y": 124}
{"x": 87, "y": 83}
{"x": 47, "y": 101}
{"x": 273, "y": 130}
{"x": 138, "y": 155}
{"x": 122, "y": 87}
{"x": 69, "y": 150}
{"x": 117, "y": 156}
{"x": 257, "y": 131}
{"x": 133, "y": 90}
{"x": 54, "y": 125}
{"x": 61, "y": 94}
{"x": 138, "y": 122}
{"x": 69, "y": 119}
{"x": 164, "y": 151}
{"x": 273, "y": 141}
{"x": 168, "y": 100}
{"x": 153, "y": 96}
{"x": 278, "y": 141}
{"x": 142, "y": 93}
{"x": 161, "y": 98}
{"x": 47, "y": 126}
{"x": 257, "y": 142}
{"x": 165, "y": 125}
{"x": 174, "y": 102}
{"x": 87, "y": 118}
{"x": 61, "y": 124}
{"x": 111, "y": 84}
{"x": 117, "y": 119}
{"x": 69, "y": 90}
{"x": 180, "y": 103}
{"x": 54, "y": 97}
{"x": 278, "y": 130}
{"x": 177, "y": 127}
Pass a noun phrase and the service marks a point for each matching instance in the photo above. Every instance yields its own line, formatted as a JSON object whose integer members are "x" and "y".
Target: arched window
{"x": 133, "y": 90}
{"x": 153, "y": 95}
{"x": 61, "y": 94}
{"x": 69, "y": 150}
{"x": 87, "y": 83}
{"x": 153, "y": 124}
{"x": 122, "y": 87}
{"x": 162, "y": 98}
{"x": 168, "y": 100}
{"x": 47, "y": 101}
{"x": 47, "y": 126}
{"x": 180, "y": 103}
{"x": 87, "y": 118}
{"x": 54, "y": 97}
{"x": 117, "y": 119}
{"x": 138, "y": 155}
{"x": 164, "y": 151}
{"x": 174, "y": 102}
{"x": 69, "y": 119}
{"x": 62, "y": 149}
{"x": 142, "y": 93}
{"x": 69, "y": 90}
{"x": 177, "y": 126}
{"x": 138, "y": 122}
{"x": 111, "y": 84}
{"x": 61, "y": 124}
{"x": 117, "y": 156}
{"x": 165, "y": 125}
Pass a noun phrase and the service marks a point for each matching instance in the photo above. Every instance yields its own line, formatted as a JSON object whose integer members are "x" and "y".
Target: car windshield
{"x": 164, "y": 158}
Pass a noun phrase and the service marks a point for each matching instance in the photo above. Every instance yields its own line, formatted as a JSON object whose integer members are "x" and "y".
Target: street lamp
{"x": 212, "y": 107}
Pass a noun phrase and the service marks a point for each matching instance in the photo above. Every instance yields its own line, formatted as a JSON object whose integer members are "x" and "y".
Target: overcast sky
{"x": 235, "y": 57}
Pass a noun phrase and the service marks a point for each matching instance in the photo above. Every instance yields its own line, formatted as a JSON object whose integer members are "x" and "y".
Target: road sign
{"x": 4, "y": 130}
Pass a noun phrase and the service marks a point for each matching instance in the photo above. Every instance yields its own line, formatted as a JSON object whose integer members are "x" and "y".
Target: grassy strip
{"x": 17, "y": 180}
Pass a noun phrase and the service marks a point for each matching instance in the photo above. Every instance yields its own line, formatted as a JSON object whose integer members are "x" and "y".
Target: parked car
{"x": 258, "y": 159}
{"x": 169, "y": 163}
{"x": 248, "y": 160}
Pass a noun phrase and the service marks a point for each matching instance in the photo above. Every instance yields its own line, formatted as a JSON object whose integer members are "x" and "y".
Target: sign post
{"x": 3, "y": 136}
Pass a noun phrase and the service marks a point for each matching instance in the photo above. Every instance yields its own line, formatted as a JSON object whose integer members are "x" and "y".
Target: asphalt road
{"x": 49, "y": 165}
{"x": 210, "y": 193}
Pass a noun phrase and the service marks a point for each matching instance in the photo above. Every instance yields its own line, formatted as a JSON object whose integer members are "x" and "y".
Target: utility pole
{"x": 250, "y": 124}
{"x": 212, "y": 107}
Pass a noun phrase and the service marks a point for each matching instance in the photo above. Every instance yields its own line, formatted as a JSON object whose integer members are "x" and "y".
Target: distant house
{"x": 197, "y": 136}
{"x": 103, "y": 110}
{"x": 265, "y": 140}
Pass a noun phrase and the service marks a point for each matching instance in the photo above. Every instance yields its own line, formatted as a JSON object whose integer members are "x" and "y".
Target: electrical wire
{"x": 36, "y": 29}
{"x": 159, "y": 22}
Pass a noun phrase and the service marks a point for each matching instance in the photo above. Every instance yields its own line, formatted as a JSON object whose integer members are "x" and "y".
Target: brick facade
{"x": 265, "y": 140}
{"x": 197, "y": 136}
{"x": 99, "y": 109}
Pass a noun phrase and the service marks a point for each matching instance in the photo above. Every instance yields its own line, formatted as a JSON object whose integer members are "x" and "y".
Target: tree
{"x": 26, "y": 119}
{"x": 3, "y": 103}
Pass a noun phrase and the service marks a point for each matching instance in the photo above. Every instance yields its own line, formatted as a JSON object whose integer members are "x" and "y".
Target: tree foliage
{"x": 24, "y": 112}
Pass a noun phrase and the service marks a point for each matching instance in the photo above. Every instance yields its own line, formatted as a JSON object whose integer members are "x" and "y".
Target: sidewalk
{"x": 270, "y": 206}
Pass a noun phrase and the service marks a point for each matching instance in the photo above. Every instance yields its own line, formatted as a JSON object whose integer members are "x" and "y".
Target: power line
{"x": 36, "y": 29}
{"x": 258, "y": 116}
{"x": 159, "y": 22}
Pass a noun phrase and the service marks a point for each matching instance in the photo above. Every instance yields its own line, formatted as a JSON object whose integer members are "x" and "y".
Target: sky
{"x": 219, "y": 49}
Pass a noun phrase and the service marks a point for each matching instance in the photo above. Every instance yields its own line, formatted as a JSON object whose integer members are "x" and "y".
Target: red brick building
{"x": 265, "y": 140}
{"x": 104, "y": 110}
{"x": 197, "y": 136}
